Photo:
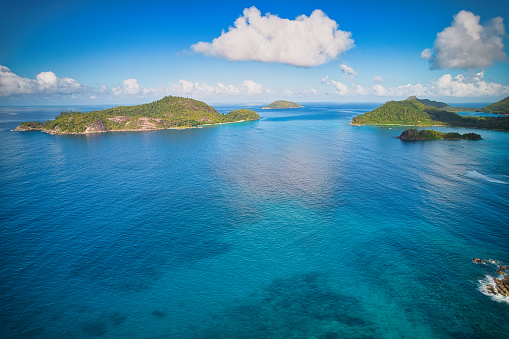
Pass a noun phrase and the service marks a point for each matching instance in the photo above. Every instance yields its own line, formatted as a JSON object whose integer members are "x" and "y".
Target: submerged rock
{"x": 501, "y": 270}
{"x": 478, "y": 261}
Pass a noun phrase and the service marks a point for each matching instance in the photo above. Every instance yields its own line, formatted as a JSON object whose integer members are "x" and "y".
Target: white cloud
{"x": 131, "y": 87}
{"x": 348, "y": 72}
{"x": 341, "y": 89}
{"x": 378, "y": 79}
{"x": 446, "y": 86}
{"x": 359, "y": 90}
{"x": 461, "y": 86}
{"x": 379, "y": 90}
{"x": 427, "y": 54}
{"x": 288, "y": 92}
{"x": 338, "y": 87}
{"x": 48, "y": 83}
{"x": 466, "y": 44}
{"x": 201, "y": 89}
{"x": 44, "y": 83}
{"x": 305, "y": 41}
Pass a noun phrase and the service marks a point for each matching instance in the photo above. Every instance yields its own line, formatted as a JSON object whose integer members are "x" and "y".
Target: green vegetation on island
{"x": 499, "y": 107}
{"x": 429, "y": 134}
{"x": 280, "y": 104}
{"x": 168, "y": 112}
{"x": 443, "y": 105}
{"x": 412, "y": 112}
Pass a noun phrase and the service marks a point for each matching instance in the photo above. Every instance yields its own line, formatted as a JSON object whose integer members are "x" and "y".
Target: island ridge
{"x": 281, "y": 104}
{"x": 168, "y": 112}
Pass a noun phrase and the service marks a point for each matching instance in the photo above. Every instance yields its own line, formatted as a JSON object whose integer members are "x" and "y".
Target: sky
{"x": 129, "y": 52}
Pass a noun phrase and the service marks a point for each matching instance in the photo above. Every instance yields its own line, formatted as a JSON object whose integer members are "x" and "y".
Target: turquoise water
{"x": 296, "y": 225}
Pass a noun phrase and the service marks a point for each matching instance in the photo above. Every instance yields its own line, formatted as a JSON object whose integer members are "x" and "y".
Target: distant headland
{"x": 281, "y": 104}
{"x": 168, "y": 112}
{"x": 424, "y": 112}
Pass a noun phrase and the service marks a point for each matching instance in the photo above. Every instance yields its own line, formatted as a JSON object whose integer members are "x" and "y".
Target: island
{"x": 413, "y": 112}
{"x": 281, "y": 104}
{"x": 429, "y": 134}
{"x": 168, "y": 112}
{"x": 499, "y": 107}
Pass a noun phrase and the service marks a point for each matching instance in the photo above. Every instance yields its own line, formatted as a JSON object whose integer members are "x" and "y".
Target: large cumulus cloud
{"x": 467, "y": 44}
{"x": 305, "y": 41}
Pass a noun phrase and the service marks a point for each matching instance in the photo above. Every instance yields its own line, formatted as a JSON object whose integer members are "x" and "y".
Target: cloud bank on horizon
{"x": 447, "y": 85}
{"x": 466, "y": 44}
{"x": 44, "y": 83}
{"x": 48, "y": 83}
{"x": 305, "y": 41}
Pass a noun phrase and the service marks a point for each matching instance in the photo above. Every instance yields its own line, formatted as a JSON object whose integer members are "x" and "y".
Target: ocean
{"x": 298, "y": 225}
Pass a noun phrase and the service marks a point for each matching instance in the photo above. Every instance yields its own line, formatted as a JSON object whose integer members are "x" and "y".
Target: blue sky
{"x": 123, "y": 52}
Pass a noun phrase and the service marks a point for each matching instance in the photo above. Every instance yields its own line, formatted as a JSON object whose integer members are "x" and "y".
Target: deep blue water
{"x": 296, "y": 225}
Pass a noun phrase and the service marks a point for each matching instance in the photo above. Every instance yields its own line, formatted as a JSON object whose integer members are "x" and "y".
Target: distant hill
{"x": 427, "y": 102}
{"x": 442, "y": 105}
{"x": 168, "y": 112}
{"x": 499, "y": 107}
{"x": 413, "y": 112}
{"x": 280, "y": 104}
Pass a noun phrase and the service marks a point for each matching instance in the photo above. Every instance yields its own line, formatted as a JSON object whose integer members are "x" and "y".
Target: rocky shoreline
{"x": 500, "y": 286}
{"x": 99, "y": 127}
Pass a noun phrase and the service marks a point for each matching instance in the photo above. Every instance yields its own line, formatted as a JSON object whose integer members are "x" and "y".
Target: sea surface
{"x": 298, "y": 225}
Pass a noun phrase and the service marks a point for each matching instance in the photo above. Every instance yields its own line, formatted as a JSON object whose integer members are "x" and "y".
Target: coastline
{"x": 484, "y": 129}
{"x": 352, "y": 124}
{"x": 52, "y": 132}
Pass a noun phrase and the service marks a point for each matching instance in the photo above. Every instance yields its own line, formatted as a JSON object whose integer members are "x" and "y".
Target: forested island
{"x": 413, "y": 112}
{"x": 280, "y": 104}
{"x": 168, "y": 112}
{"x": 499, "y": 107}
{"x": 429, "y": 134}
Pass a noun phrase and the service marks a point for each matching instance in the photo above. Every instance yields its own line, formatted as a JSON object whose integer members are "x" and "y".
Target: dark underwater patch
{"x": 303, "y": 305}
{"x": 95, "y": 328}
{"x": 133, "y": 260}
{"x": 158, "y": 314}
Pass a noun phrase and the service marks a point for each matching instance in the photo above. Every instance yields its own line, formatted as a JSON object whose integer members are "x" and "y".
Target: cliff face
{"x": 95, "y": 127}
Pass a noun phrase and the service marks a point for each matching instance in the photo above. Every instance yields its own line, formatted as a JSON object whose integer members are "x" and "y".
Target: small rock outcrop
{"x": 500, "y": 285}
{"x": 410, "y": 134}
{"x": 429, "y": 134}
{"x": 95, "y": 127}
